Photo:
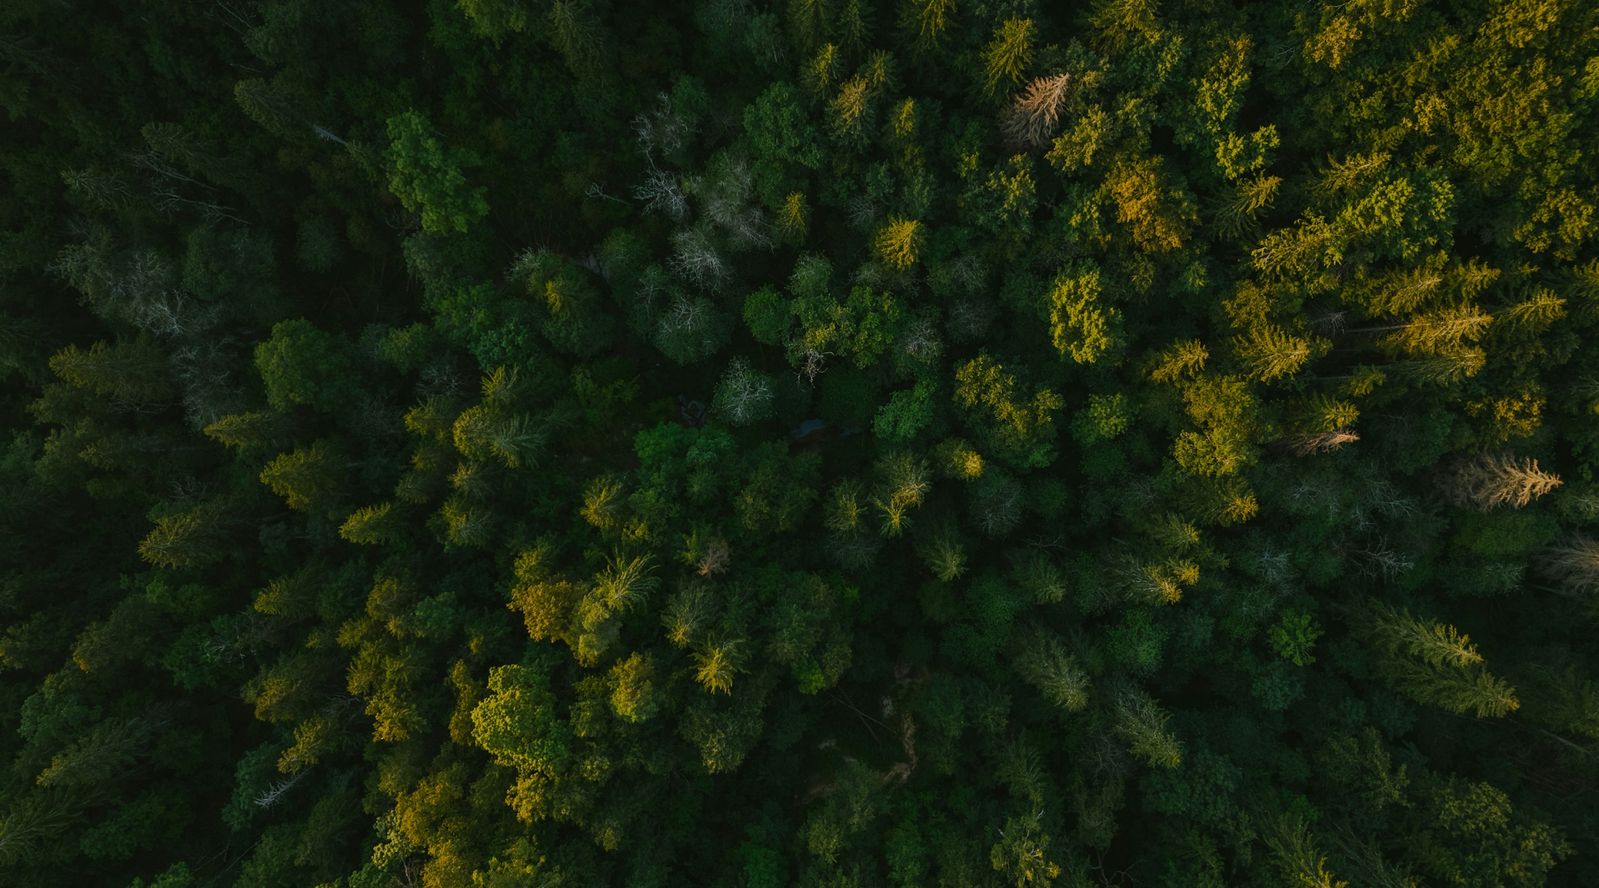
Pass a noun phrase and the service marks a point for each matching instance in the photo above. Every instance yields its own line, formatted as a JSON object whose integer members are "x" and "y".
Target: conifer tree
{"x": 1008, "y": 55}
{"x": 1043, "y": 661}
{"x": 1489, "y": 481}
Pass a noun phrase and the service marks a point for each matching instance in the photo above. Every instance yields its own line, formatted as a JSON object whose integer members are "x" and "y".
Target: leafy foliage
{"x": 824, "y": 443}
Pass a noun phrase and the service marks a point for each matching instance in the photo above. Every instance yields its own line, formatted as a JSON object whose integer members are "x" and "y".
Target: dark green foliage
{"x": 503, "y": 443}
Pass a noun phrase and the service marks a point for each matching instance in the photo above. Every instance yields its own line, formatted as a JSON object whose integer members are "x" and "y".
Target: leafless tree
{"x": 661, "y": 193}
{"x": 663, "y": 128}
{"x": 1322, "y": 442}
{"x": 1489, "y": 481}
{"x": 273, "y": 793}
{"x": 715, "y": 558}
{"x": 1034, "y": 116}
{"x": 1574, "y": 565}
{"x": 697, "y": 259}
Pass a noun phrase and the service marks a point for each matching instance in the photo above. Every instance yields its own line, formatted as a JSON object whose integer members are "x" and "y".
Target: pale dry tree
{"x": 1033, "y": 117}
{"x": 1322, "y": 442}
{"x": 728, "y": 198}
{"x": 661, "y": 193}
{"x": 1489, "y": 481}
{"x": 1574, "y": 565}
{"x": 861, "y": 211}
{"x": 684, "y": 315}
{"x": 1329, "y": 323}
{"x": 969, "y": 318}
{"x": 812, "y": 363}
{"x": 1379, "y": 560}
{"x": 744, "y": 395}
{"x": 662, "y": 128}
{"x": 920, "y": 341}
{"x": 1388, "y": 500}
{"x": 697, "y": 259}
{"x": 715, "y": 558}
{"x": 1272, "y": 566}
{"x": 273, "y": 793}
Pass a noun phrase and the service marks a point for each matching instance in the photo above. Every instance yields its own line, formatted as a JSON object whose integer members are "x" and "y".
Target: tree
{"x": 635, "y": 697}
{"x": 571, "y": 314}
{"x": 1021, "y": 428}
{"x": 428, "y": 178}
{"x": 1438, "y": 333}
{"x": 372, "y": 525}
{"x": 250, "y": 432}
{"x": 766, "y": 314}
{"x": 1474, "y": 837}
{"x": 1296, "y": 854}
{"x": 188, "y": 538}
{"x": 309, "y": 478}
{"x": 715, "y": 665}
{"x": 577, "y": 36}
{"x": 1008, "y": 55}
{"x": 691, "y": 330}
{"x": 899, "y": 242}
{"x": 1022, "y": 853}
{"x": 495, "y": 19}
{"x": 1044, "y": 662}
{"x": 1574, "y": 564}
{"x": 302, "y": 365}
{"x": 944, "y": 555}
{"x": 1489, "y": 481}
{"x": 1157, "y": 210}
{"x": 133, "y": 372}
{"x": 1081, "y": 325}
{"x": 743, "y": 396}
{"x": 1139, "y": 721}
{"x": 1436, "y": 664}
{"x": 1271, "y": 352}
{"x": 1034, "y": 114}
{"x": 927, "y": 22}
{"x": 906, "y": 415}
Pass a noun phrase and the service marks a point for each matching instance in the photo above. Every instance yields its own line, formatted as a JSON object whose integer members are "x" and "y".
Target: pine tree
{"x": 188, "y": 538}
{"x": 1182, "y": 360}
{"x": 577, "y": 35}
{"x": 1489, "y": 481}
{"x": 1139, "y": 721}
{"x": 926, "y": 22}
{"x": 1271, "y": 352}
{"x": 309, "y": 478}
{"x": 1034, "y": 114}
{"x": 132, "y": 372}
{"x": 1008, "y": 55}
{"x": 1296, "y": 854}
{"x": 1044, "y": 662}
{"x": 1438, "y": 332}
{"x": 1436, "y": 664}
{"x": 1574, "y": 565}
{"x": 1322, "y": 442}
{"x": 1535, "y": 314}
{"x": 250, "y": 433}
{"x": 372, "y": 525}
{"x": 808, "y": 22}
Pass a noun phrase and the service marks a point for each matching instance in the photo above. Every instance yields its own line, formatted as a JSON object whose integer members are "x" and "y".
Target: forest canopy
{"x": 836, "y": 443}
